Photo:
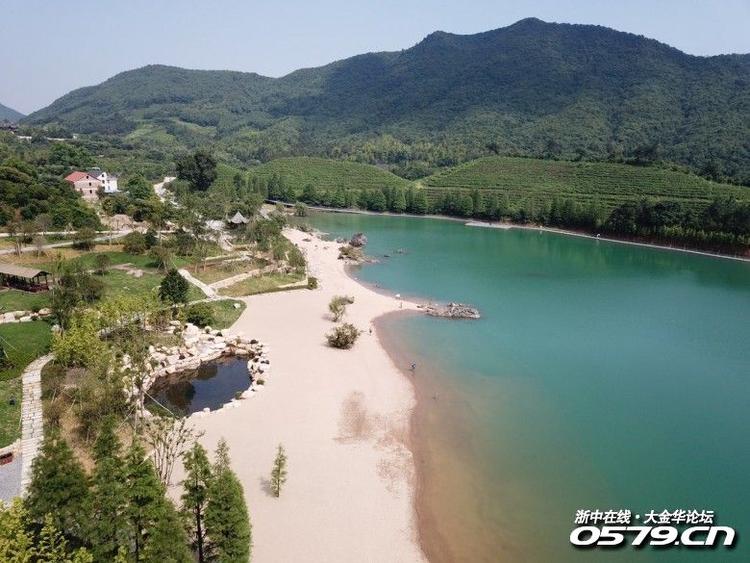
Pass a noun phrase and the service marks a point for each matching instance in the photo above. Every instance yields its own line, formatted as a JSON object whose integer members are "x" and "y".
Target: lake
{"x": 601, "y": 376}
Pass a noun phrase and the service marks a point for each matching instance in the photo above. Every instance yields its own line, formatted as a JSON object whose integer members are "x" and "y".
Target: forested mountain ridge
{"x": 9, "y": 114}
{"x": 534, "y": 88}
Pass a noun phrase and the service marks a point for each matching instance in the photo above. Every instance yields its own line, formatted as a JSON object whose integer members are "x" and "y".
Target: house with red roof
{"x": 85, "y": 184}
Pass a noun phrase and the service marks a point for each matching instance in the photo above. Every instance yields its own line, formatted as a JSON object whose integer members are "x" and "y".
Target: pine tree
{"x": 109, "y": 526}
{"x": 195, "y": 498}
{"x": 399, "y": 201}
{"x": 59, "y": 487}
{"x": 420, "y": 202}
{"x": 227, "y": 522}
{"x": 154, "y": 526}
{"x": 278, "y": 473}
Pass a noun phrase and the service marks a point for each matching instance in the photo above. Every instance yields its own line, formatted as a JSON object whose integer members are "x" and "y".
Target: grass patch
{"x": 223, "y": 270}
{"x": 23, "y": 342}
{"x": 15, "y": 300}
{"x": 117, "y": 283}
{"x": 224, "y": 312}
{"x": 261, "y": 284}
{"x": 10, "y": 415}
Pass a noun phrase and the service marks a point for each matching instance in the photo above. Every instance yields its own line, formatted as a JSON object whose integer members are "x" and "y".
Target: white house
{"x": 109, "y": 182}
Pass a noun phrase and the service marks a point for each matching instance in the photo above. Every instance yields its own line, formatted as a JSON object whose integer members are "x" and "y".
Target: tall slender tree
{"x": 59, "y": 487}
{"x": 278, "y": 473}
{"x": 227, "y": 522}
{"x": 156, "y": 534}
{"x": 195, "y": 498}
{"x": 109, "y": 526}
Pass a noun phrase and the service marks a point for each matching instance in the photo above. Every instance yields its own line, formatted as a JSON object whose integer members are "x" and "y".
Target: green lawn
{"x": 217, "y": 272}
{"x": 224, "y": 312}
{"x": 15, "y": 300}
{"x": 261, "y": 284}
{"x": 117, "y": 282}
{"x": 23, "y": 343}
{"x": 120, "y": 257}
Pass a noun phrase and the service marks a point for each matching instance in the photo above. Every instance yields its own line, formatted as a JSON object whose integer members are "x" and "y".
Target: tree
{"x": 420, "y": 202}
{"x": 174, "y": 288}
{"x": 168, "y": 437}
{"x": 39, "y": 242}
{"x": 300, "y": 209}
{"x": 310, "y": 194}
{"x": 59, "y": 487}
{"x": 162, "y": 256}
{"x": 155, "y": 531}
{"x": 278, "y": 473}
{"x": 19, "y": 544}
{"x": 343, "y": 336}
{"x": 109, "y": 526}
{"x": 102, "y": 262}
{"x": 195, "y": 498}
{"x": 399, "y": 201}
{"x": 337, "y": 306}
{"x": 134, "y": 243}
{"x": 227, "y": 522}
{"x": 199, "y": 169}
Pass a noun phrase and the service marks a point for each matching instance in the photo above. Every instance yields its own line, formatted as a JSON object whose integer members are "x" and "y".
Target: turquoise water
{"x": 600, "y": 376}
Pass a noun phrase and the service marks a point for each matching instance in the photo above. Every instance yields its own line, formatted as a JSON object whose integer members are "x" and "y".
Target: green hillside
{"x": 326, "y": 174}
{"x": 9, "y": 114}
{"x": 610, "y": 184}
{"x": 531, "y": 89}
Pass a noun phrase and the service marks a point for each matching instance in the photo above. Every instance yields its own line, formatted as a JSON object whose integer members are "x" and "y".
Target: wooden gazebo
{"x": 20, "y": 277}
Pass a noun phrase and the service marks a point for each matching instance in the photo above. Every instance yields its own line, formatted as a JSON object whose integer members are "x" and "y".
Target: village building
{"x": 85, "y": 184}
{"x": 108, "y": 180}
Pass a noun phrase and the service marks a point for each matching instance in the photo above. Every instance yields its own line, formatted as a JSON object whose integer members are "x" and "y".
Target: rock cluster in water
{"x": 358, "y": 240}
{"x": 451, "y": 311}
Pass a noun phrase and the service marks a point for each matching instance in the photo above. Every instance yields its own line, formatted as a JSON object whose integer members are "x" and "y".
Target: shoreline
{"x": 344, "y": 417}
{"x": 510, "y": 226}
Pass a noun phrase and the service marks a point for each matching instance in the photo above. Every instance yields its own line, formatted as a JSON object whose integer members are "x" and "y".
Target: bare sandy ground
{"x": 343, "y": 417}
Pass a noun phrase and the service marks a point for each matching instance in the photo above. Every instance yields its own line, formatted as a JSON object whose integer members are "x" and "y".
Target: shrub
{"x": 200, "y": 314}
{"x": 174, "y": 288}
{"x": 300, "y": 209}
{"x": 102, "y": 262}
{"x": 338, "y": 304}
{"x": 343, "y": 336}
{"x": 134, "y": 243}
{"x": 85, "y": 239}
{"x": 312, "y": 282}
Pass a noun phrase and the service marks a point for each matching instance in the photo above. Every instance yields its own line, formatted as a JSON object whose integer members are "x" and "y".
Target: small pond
{"x": 212, "y": 385}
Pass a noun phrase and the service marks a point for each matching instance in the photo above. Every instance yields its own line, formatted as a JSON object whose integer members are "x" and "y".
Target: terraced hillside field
{"x": 327, "y": 174}
{"x": 523, "y": 179}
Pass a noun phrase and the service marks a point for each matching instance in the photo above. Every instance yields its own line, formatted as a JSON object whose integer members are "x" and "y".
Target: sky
{"x": 50, "y": 47}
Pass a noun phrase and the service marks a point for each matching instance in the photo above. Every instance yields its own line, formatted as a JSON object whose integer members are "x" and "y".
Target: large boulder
{"x": 358, "y": 240}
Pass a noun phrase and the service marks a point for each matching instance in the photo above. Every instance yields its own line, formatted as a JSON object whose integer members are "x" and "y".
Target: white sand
{"x": 343, "y": 417}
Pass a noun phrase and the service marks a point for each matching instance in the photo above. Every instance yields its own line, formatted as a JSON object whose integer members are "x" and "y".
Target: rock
{"x": 175, "y": 323}
{"x": 45, "y": 312}
{"x": 25, "y": 319}
{"x": 207, "y": 329}
{"x": 452, "y": 311}
{"x": 236, "y": 305}
{"x": 191, "y": 330}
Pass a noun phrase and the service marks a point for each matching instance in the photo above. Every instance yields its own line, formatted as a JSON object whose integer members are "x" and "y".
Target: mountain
{"x": 9, "y": 114}
{"x": 531, "y": 88}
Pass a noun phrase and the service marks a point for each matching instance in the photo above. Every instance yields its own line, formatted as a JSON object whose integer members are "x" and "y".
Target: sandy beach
{"x": 343, "y": 417}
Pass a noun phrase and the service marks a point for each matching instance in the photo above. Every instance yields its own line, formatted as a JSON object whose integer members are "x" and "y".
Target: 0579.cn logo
{"x": 612, "y": 528}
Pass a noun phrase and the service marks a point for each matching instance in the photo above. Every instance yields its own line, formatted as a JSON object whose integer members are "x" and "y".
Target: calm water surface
{"x": 210, "y": 386}
{"x": 601, "y": 376}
